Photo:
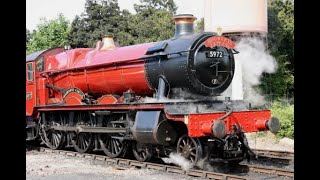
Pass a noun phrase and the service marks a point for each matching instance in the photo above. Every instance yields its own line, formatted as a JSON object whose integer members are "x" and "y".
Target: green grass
{"x": 285, "y": 113}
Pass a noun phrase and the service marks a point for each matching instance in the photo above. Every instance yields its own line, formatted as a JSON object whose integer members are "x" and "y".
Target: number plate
{"x": 214, "y": 54}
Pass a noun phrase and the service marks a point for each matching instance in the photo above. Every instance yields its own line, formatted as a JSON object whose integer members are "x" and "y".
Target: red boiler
{"x": 105, "y": 70}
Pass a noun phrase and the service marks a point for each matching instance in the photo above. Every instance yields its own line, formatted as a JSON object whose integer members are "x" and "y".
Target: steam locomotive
{"x": 98, "y": 99}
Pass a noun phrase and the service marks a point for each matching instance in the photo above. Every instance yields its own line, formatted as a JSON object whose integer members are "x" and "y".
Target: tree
{"x": 153, "y": 22}
{"x": 78, "y": 35}
{"x": 200, "y": 25}
{"x": 49, "y": 34}
{"x": 281, "y": 42}
{"x": 281, "y": 28}
{"x": 100, "y": 18}
{"x": 147, "y": 7}
{"x": 28, "y": 35}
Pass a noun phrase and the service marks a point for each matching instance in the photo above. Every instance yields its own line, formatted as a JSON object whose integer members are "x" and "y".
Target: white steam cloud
{"x": 179, "y": 160}
{"x": 255, "y": 60}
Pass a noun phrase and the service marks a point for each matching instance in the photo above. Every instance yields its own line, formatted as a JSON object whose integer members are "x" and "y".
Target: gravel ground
{"x": 268, "y": 141}
{"x": 47, "y": 166}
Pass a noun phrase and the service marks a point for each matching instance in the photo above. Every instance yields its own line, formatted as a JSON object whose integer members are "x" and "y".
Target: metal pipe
{"x": 219, "y": 127}
{"x": 90, "y": 129}
{"x": 183, "y": 24}
{"x": 162, "y": 88}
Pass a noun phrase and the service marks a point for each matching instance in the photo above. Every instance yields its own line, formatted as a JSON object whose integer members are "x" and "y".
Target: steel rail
{"x": 127, "y": 163}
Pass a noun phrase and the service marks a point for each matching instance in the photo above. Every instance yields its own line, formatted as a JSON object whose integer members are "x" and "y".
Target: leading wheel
{"x": 190, "y": 148}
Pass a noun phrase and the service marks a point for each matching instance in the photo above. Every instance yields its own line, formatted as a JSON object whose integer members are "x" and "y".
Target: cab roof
{"x": 33, "y": 56}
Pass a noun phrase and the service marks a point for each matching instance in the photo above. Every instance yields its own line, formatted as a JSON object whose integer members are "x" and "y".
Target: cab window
{"x": 30, "y": 72}
{"x": 40, "y": 64}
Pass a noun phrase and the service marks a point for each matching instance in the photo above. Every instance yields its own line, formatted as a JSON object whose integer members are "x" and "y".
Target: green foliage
{"x": 285, "y": 113}
{"x": 49, "y": 34}
{"x": 148, "y": 7}
{"x": 153, "y": 22}
{"x": 200, "y": 25}
{"x": 281, "y": 43}
{"x": 156, "y": 27}
{"x": 100, "y": 18}
{"x": 279, "y": 83}
{"x": 28, "y": 35}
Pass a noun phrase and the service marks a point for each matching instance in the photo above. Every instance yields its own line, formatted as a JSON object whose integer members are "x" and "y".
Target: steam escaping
{"x": 203, "y": 164}
{"x": 179, "y": 160}
{"x": 255, "y": 60}
{"x": 178, "y": 95}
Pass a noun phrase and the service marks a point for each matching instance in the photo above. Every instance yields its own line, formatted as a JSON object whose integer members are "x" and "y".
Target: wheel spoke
{"x": 142, "y": 152}
{"x": 52, "y": 139}
{"x": 86, "y": 142}
{"x": 82, "y": 143}
{"x": 112, "y": 146}
{"x": 192, "y": 158}
{"x": 190, "y": 148}
{"x": 55, "y": 138}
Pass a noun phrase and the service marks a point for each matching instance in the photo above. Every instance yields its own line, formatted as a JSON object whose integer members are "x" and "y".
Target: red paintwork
{"x": 37, "y": 86}
{"x": 250, "y": 121}
{"x": 107, "y": 99}
{"x": 101, "y": 71}
{"x": 30, "y": 92}
{"x": 219, "y": 41}
{"x": 104, "y": 107}
{"x": 73, "y": 98}
{"x": 198, "y": 125}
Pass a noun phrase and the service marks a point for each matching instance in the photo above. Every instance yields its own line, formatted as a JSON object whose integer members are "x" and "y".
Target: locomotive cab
{"x": 35, "y": 88}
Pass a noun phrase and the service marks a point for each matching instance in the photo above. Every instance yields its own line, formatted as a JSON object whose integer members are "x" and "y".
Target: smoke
{"x": 206, "y": 166}
{"x": 177, "y": 95}
{"x": 255, "y": 60}
{"x": 149, "y": 100}
{"x": 179, "y": 160}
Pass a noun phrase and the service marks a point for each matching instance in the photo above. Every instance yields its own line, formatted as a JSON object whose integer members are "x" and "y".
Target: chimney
{"x": 107, "y": 43}
{"x": 184, "y": 24}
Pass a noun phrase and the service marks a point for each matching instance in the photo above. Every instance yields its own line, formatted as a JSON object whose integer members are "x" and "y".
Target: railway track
{"x": 283, "y": 155}
{"x": 127, "y": 163}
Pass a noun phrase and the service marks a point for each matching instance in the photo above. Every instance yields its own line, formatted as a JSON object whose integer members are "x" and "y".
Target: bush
{"x": 285, "y": 113}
